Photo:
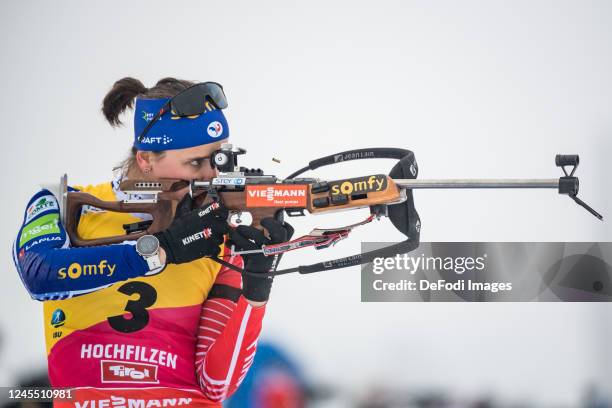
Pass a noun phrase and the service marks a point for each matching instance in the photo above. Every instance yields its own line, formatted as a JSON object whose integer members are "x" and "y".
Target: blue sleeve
{"x": 50, "y": 269}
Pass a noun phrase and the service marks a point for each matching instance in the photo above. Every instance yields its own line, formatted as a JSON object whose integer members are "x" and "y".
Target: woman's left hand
{"x": 256, "y": 289}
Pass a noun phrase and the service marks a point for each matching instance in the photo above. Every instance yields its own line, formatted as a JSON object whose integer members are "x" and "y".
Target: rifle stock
{"x": 256, "y": 199}
{"x": 161, "y": 212}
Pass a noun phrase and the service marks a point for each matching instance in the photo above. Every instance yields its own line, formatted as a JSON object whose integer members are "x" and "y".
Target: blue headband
{"x": 171, "y": 132}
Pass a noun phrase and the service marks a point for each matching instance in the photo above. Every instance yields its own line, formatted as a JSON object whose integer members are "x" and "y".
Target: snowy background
{"x": 474, "y": 88}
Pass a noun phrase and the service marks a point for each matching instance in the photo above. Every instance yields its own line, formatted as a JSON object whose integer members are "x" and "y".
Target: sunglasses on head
{"x": 189, "y": 102}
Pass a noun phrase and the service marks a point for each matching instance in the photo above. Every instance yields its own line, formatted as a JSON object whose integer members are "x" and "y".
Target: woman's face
{"x": 192, "y": 163}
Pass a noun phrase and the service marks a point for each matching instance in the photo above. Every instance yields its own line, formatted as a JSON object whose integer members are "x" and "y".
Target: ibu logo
{"x": 215, "y": 129}
{"x": 58, "y": 318}
{"x": 148, "y": 116}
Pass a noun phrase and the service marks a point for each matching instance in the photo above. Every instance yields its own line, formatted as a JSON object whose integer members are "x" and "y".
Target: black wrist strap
{"x": 221, "y": 291}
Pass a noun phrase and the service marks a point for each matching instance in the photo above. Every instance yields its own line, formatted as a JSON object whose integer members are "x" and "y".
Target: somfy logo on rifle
{"x": 368, "y": 184}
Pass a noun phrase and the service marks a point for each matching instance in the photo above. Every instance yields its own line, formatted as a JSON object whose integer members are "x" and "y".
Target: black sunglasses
{"x": 191, "y": 101}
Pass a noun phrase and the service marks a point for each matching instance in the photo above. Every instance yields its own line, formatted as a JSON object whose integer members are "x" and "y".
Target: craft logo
{"x": 276, "y": 196}
{"x": 58, "y": 318}
{"x": 125, "y": 372}
{"x": 215, "y": 129}
{"x": 352, "y": 156}
{"x": 76, "y": 270}
{"x": 164, "y": 140}
{"x": 359, "y": 185}
{"x": 45, "y": 203}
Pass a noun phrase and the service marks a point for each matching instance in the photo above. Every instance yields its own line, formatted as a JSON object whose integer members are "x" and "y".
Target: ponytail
{"x": 121, "y": 97}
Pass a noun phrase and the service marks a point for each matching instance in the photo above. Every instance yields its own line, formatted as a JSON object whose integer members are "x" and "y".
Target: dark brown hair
{"x": 126, "y": 90}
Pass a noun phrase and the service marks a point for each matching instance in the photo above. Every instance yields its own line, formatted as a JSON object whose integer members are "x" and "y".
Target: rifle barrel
{"x": 477, "y": 183}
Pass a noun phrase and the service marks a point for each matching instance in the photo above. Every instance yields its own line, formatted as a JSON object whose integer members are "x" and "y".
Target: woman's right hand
{"x": 194, "y": 233}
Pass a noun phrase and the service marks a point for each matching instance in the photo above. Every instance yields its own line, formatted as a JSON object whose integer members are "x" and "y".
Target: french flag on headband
{"x": 171, "y": 132}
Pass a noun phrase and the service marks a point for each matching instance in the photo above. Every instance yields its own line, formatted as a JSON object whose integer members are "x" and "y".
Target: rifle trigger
{"x": 137, "y": 226}
{"x": 212, "y": 192}
{"x": 379, "y": 210}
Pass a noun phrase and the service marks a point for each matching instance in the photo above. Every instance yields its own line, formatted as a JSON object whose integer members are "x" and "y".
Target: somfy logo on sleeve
{"x": 76, "y": 270}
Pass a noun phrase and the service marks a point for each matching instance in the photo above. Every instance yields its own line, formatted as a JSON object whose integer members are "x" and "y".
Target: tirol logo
{"x": 76, "y": 270}
{"x": 58, "y": 318}
{"x": 125, "y": 372}
{"x": 215, "y": 129}
{"x": 44, "y": 203}
{"x": 359, "y": 185}
{"x": 276, "y": 195}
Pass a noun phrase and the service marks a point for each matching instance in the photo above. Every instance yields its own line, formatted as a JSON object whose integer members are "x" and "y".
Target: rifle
{"x": 250, "y": 195}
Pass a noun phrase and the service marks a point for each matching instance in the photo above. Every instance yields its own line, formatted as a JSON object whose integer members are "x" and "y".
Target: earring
{"x": 147, "y": 170}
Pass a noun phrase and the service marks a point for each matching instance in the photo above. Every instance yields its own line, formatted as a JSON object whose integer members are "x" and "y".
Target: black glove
{"x": 194, "y": 233}
{"x": 248, "y": 238}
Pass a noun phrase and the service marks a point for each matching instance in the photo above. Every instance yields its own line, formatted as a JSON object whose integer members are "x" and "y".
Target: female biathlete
{"x": 152, "y": 322}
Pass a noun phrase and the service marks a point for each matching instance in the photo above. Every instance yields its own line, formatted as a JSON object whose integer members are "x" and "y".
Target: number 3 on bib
{"x": 138, "y": 308}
